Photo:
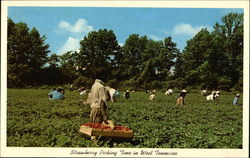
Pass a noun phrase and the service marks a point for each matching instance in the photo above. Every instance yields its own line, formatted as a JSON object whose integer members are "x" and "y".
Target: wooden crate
{"x": 106, "y": 132}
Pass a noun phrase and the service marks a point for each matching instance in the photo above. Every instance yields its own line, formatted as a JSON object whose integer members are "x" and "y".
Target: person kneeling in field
{"x": 151, "y": 97}
{"x": 180, "y": 98}
{"x": 236, "y": 99}
{"x": 56, "y": 94}
{"x": 97, "y": 100}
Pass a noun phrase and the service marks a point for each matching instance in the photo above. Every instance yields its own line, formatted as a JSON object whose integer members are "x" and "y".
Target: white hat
{"x": 184, "y": 91}
{"x": 238, "y": 94}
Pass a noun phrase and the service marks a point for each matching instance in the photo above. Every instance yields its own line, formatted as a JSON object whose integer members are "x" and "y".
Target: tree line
{"x": 210, "y": 60}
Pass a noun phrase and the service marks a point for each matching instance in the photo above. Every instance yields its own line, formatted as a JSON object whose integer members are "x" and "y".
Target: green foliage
{"x": 34, "y": 121}
{"x": 98, "y": 54}
{"x": 147, "y": 62}
{"x": 214, "y": 60}
{"x": 27, "y": 53}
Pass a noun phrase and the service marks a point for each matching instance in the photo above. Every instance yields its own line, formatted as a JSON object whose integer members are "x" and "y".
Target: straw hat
{"x": 184, "y": 91}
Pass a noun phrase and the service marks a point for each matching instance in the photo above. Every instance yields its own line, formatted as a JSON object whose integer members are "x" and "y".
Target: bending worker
{"x": 56, "y": 94}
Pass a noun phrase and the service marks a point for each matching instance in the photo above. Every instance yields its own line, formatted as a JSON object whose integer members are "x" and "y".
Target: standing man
{"x": 98, "y": 102}
{"x": 97, "y": 99}
{"x": 236, "y": 99}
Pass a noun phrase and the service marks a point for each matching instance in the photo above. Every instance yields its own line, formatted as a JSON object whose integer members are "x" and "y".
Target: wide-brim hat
{"x": 184, "y": 91}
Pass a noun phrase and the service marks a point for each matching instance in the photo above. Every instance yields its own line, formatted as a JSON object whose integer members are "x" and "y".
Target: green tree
{"x": 131, "y": 59}
{"x": 145, "y": 61}
{"x": 27, "y": 54}
{"x": 68, "y": 62}
{"x": 53, "y": 60}
{"x": 229, "y": 41}
{"x": 98, "y": 51}
{"x": 195, "y": 54}
{"x": 214, "y": 60}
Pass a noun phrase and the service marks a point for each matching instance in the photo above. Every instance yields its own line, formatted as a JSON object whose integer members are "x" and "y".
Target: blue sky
{"x": 64, "y": 27}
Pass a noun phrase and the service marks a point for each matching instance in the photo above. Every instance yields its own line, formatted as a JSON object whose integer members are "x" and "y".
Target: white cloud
{"x": 156, "y": 38}
{"x": 121, "y": 44}
{"x": 72, "y": 44}
{"x": 187, "y": 29}
{"x": 81, "y": 25}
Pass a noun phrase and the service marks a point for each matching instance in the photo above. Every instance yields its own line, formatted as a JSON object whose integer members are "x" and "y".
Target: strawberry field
{"x": 35, "y": 121}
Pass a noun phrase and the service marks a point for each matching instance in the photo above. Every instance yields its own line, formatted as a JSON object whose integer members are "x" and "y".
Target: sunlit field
{"x": 35, "y": 121}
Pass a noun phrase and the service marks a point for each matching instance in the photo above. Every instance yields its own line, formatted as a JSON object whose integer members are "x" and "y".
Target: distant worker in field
{"x": 211, "y": 96}
{"x": 111, "y": 93}
{"x": 214, "y": 96}
{"x": 236, "y": 99}
{"x": 126, "y": 94}
{"x": 152, "y": 96}
{"x": 180, "y": 98}
{"x": 56, "y": 94}
{"x": 169, "y": 92}
{"x": 204, "y": 93}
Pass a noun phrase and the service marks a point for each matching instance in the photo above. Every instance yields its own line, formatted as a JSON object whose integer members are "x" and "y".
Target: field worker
{"x": 97, "y": 100}
{"x": 111, "y": 93}
{"x": 56, "y": 94}
{"x": 126, "y": 94}
{"x": 180, "y": 99}
{"x": 212, "y": 96}
{"x": 151, "y": 97}
{"x": 204, "y": 92}
{"x": 169, "y": 92}
{"x": 98, "y": 103}
{"x": 236, "y": 99}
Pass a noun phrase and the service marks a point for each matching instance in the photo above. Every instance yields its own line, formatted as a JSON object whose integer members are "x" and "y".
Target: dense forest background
{"x": 210, "y": 60}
